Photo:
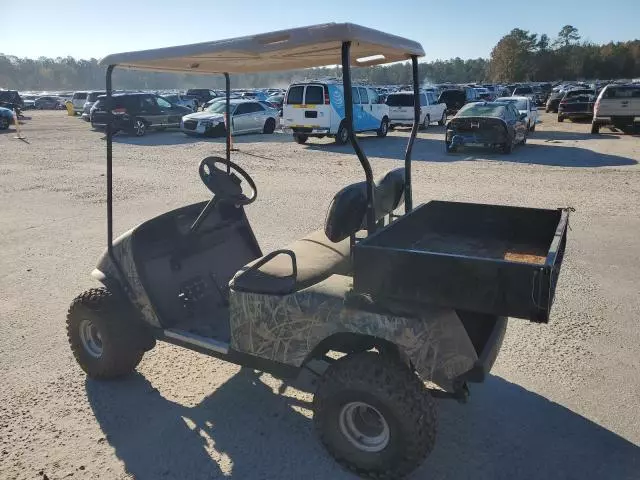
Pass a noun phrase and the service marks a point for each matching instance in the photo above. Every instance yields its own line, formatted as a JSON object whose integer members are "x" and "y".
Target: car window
{"x": 255, "y": 107}
{"x": 482, "y": 110}
{"x": 294, "y": 96}
{"x": 314, "y": 95}
{"x": 622, "y": 92}
{"x": 423, "y": 99}
{"x": 355, "y": 94}
{"x": 163, "y": 103}
{"x": 80, "y": 96}
{"x": 373, "y": 96}
{"x": 400, "y": 100}
{"x": 147, "y": 102}
{"x": 364, "y": 98}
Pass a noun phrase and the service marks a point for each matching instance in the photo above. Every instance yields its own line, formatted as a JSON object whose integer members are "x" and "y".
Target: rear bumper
{"x": 487, "y": 358}
{"x": 480, "y": 138}
{"x": 608, "y": 120}
{"x": 311, "y": 131}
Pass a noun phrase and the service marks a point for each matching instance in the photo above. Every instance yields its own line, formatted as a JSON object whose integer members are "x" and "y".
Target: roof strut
{"x": 109, "y": 161}
{"x": 408, "y": 193}
{"x": 348, "y": 116}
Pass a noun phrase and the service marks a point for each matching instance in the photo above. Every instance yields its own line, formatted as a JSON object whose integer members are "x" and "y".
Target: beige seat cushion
{"x": 317, "y": 258}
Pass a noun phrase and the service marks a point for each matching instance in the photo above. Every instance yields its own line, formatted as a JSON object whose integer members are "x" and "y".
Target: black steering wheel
{"x": 224, "y": 183}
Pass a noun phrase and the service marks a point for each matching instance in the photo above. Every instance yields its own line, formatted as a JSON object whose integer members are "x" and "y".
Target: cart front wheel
{"x": 103, "y": 335}
{"x": 374, "y": 416}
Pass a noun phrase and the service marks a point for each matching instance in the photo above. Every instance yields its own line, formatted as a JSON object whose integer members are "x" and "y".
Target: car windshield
{"x": 171, "y": 98}
{"x": 519, "y": 103}
{"x": 400, "y": 100}
{"x": 481, "y": 110}
{"x": 522, "y": 90}
{"x": 219, "y": 107}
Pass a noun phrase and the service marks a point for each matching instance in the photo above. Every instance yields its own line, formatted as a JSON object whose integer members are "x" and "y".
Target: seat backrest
{"x": 347, "y": 212}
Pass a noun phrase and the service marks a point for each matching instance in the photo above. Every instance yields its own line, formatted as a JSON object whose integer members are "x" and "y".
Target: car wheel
{"x": 269, "y": 126}
{"x": 443, "y": 120}
{"x": 299, "y": 138}
{"x": 560, "y": 118}
{"x": 384, "y": 128}
{"x": 507, "y": 147}
{"x": 426, "y": 122}
{"x": 546, "y": 109}
{"x": 104, "y": 338}
{"x": 139, "y": 127}
{"x": 342, "y": 136}
{"x": 4, "y": 123}
{"x": 532, "y": 128}
{"x": 524, "y": 139}
{"x": 374, "y": 416}
{"x": 595, "y": 129}
{"x": 449, "y": 148}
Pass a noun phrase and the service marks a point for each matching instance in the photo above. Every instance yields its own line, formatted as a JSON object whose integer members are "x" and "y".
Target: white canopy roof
{"x": 304, "y": 47}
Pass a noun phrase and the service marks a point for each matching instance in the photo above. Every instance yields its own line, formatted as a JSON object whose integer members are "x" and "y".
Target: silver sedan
{"x": 247, "y": 116}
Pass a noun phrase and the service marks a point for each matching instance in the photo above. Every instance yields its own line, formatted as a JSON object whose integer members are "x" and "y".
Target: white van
{"x": 316, "y": 109}
{"x": 78, "y": 100}
{"x": 401, "y": 109}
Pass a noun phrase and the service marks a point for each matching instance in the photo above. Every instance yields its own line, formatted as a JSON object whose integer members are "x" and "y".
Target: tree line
{"x": 518, "y": 56}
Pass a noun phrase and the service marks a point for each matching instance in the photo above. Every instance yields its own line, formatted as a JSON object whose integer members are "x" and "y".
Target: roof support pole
{"x": 227, "y": 83}
{"x": 109, "y": 108}
{"x": 348, "y": 116}
{"x": 408, "y": 193}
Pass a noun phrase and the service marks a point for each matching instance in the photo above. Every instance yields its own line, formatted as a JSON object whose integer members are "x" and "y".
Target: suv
{"x": 10, "y": 99}
{"x": 202, "y": 95}
{"x": 401, "y": 109}
{"x": 137, "y": 112}
{"x": 316, "y": 109}
{"x": 78, "y": 100}
{"x": 91, "y": 99}
{"x": 617, "y": 105}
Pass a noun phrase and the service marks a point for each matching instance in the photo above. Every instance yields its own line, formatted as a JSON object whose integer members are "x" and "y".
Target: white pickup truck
{"x": 617, "y": 105}
{"x": 401, "y": 109}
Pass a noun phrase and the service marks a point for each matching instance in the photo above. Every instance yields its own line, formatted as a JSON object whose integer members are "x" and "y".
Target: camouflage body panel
{"x": 131, "y": 283}
{"x": 287, "y": 328}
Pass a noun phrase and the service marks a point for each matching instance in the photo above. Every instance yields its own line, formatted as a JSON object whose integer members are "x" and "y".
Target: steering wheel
{"x": 224, "y": 183}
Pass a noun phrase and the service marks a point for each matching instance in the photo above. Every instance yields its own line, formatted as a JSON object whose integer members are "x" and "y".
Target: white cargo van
{"x": 316, "y": 109}
{"x": 401, "y": 109}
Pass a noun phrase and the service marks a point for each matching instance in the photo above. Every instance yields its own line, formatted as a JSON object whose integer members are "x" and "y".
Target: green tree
{"x": 567, "y": 36}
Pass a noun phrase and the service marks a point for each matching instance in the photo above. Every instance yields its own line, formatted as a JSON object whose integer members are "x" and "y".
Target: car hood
{"x": 5, "y": 112}
{"x": 204, "y": 116}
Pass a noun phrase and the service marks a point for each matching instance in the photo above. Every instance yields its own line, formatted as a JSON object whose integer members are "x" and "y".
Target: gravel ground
{"x": 562, "y": 400}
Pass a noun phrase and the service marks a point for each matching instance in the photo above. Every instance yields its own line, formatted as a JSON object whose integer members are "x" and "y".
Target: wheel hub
{"x": 364, "y": 426}
{"x": 90, "y": 338}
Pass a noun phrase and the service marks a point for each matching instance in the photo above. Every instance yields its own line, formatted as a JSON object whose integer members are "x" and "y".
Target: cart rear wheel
{"x": 103, "y": 339}
{"x": 374, "y": 415}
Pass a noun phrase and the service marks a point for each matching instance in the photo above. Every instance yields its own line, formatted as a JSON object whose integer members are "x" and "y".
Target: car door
{"x": 171, "y": 113}
{"x": 369, "y": 121}
{"x": 241, "y": 118}
{"x": 519, "y": 125}
{"x": 149, "y": 111}
{"x": 257, "y": 117}
{"x": 358, "y": 114}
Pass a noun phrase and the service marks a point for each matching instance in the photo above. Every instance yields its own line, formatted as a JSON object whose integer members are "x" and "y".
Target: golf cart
{"x": 385, "y": 300}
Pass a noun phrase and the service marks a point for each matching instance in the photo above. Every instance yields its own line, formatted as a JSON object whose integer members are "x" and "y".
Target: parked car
{"x": 6, "y": 118}
{"x": 48, "y": 103}
{"x": 401, "y": 109}
{"x": 219, "y": 99}
{"x": 202, "y": 95}
{"x": 454, "y": 100}
{"x": 11, "y": 99}
{"x": 79, "y": 99}
{"x": 489, "y": 124}
{"x": 28, "y": 102}
{"x": 188, "y": 101}
{"x": 524, "y": 105}
{"x": 136, "y": 113}
{"x": 617, "y": 105}
{"x": 276, "y": 100}
{"x": 577, "y": 106}
{"x": 316, "y": 109}
{"x": 553, "y": 101}
{"x": 247, "y": 116}
{"x": 92, "y": 96}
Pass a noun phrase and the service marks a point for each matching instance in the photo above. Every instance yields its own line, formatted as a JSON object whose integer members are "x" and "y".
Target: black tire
{"x": 269, "y": 126}
{"x": 524, "y": 140}
{"x": 300, "y": 138}
{"x": 386, "y": 389}
{"x": 507, "y": 148}
{"x": 443, "y": 120}
{"x": 342, "y": 137}
{"x": 120, "y": 338}
{"x": 533, "y": 128}
{"x": 139, "y": 127}
{"x": 560, "y": 119}
{"x": 4, "y": 123}
{"x": 426, "y": 122}
{"x": 547, "y": 110}
{"x": 384, "y": 128}
{"x": 595, "y": 129}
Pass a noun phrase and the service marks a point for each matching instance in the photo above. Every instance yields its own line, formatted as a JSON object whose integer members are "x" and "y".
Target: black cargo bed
{"x": 485, "y": 258}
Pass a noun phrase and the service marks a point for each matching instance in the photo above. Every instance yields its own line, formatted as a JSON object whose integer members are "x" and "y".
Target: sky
{"x": 445, "y": 28}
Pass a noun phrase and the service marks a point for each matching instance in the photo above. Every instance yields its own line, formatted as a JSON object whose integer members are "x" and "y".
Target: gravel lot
{"x": 562, "y": 401}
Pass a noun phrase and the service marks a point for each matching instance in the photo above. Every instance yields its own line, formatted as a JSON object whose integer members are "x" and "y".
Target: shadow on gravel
{"x": 250, "y": 432}
{"x": 173, "y": 137}
{"x": 562, "y": 135}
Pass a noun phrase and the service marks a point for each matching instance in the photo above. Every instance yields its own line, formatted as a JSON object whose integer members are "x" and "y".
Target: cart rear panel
{"x": 493, "y": 259}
